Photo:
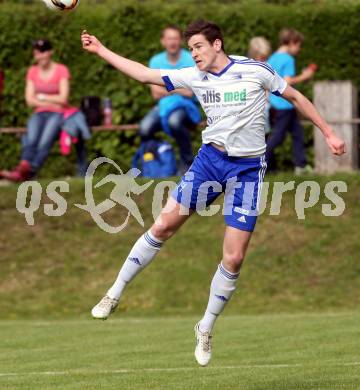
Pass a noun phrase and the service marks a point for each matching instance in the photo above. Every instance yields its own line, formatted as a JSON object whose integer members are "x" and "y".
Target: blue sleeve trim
{"x": 276, "y": 93}
{"x": 258, "y": 63}
{"x": 168, "y": 84}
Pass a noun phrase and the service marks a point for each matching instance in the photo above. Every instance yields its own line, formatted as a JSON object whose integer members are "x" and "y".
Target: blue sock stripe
{"x": 227, "y": 274}
{"x": 151, "y": 241}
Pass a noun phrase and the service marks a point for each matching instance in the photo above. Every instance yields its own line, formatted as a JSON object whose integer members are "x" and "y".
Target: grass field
{"x": 298, "y": 351}
{"x": 62, "y": 265}
{"x": 292, "y": 324}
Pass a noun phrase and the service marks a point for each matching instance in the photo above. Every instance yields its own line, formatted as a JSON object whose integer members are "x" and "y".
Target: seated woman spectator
{"x": 47, "y": 91}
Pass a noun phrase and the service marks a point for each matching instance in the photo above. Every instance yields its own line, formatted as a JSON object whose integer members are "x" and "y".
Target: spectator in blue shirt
{"x": 284, "y": 115}
{"x": 173, "y": 114}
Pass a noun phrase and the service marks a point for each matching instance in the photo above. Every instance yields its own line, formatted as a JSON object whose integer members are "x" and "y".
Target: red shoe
{"x": 21, "y": 173}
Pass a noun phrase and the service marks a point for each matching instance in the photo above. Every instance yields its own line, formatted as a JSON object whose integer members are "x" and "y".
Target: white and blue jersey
{"x": 234, "y": 102}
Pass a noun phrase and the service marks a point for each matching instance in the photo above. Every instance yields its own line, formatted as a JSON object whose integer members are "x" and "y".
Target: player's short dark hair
{"x": 290, "y": 35}
{"x": 172, "y": 27}
{"x": 211, "y": 31}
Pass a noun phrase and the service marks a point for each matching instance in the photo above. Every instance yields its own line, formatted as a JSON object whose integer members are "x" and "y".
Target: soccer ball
{"x": 62, "y": 5}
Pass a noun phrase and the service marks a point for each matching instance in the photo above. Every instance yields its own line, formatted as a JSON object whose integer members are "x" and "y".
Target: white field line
{"x": 141, "y": 320}
{"x": 174, "y": 369}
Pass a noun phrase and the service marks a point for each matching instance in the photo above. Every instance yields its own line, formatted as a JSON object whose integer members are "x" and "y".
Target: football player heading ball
{"x": 232, "y": 92}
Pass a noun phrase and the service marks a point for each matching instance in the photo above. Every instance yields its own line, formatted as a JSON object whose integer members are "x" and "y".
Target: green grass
{"x": 299, "y": 351}
{"x": 298, "y": 296}
{"x": 62, "y": 265}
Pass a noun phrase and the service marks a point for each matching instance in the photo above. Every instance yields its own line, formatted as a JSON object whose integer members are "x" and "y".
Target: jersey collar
{"x": 231, "y": 63}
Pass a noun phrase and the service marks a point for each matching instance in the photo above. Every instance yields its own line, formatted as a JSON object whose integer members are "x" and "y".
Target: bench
{"x": 95, "y": 129}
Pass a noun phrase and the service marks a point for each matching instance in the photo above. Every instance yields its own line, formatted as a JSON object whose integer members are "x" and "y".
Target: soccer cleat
{"x": 203, "y": 346}
{"x": 104, "y": 308}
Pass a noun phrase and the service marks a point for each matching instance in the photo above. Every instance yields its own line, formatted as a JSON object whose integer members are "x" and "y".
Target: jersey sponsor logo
{"x": 211, "y": 96}
{"x": 237, "y": 96}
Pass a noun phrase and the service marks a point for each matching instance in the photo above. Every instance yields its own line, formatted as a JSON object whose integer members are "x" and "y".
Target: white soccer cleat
{"x": 104, "y": 308}
{"x": 203, "y": 346}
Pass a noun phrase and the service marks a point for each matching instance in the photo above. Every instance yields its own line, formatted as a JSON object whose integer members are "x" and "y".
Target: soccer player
{"x": 232, "y": 92}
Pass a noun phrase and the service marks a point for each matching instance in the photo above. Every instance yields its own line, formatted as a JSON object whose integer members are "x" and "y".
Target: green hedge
{"x": 132, "y": 28}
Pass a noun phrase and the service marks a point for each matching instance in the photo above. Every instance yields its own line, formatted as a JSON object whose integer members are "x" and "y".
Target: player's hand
{"x": 336, "y": 144}
{"x": 90, "y": 42}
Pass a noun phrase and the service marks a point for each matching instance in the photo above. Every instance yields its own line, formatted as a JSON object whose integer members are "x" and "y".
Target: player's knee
{"x": 232, "y": 260}
{"x": 162, "y": 231}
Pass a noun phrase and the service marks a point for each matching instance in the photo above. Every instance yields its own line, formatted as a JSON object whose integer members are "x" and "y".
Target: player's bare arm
{"x": 308, "y": 110}
{"x": 130, "y": 68}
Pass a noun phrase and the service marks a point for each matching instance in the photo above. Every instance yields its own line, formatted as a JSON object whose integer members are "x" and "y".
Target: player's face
{"x": 203, "y": 52}
{"x": 42, "y": 58}
{"x": 171, "y": 41}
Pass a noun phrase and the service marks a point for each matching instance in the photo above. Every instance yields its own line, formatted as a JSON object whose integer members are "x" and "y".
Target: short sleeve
{"x": 288, "y": 68}
{"x": 31, "y": 73}
{"x": 64, "y": 72}
{"x": 271, "y": 81}
{"x": 177, "y": 78}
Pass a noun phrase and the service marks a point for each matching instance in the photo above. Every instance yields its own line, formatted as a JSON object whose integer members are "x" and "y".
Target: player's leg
{"x": 179, "y": 207}
{"x": 240, "y": 208}
{"x": 222, "y": 287}
{"x": 141, "y": 255}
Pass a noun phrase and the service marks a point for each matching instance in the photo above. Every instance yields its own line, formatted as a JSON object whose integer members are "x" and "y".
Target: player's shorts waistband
{"x": 250, "y": 159}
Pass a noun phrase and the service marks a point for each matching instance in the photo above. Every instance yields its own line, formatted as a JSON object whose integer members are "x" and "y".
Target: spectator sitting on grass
{"x": 47, "y": 91}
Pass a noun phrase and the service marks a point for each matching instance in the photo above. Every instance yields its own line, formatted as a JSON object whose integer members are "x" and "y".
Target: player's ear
{"x": 217, "y": 45}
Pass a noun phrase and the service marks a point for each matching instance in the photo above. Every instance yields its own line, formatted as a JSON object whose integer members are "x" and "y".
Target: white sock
{"x": 222, "y": 288}
{"x": 141, "y": 254}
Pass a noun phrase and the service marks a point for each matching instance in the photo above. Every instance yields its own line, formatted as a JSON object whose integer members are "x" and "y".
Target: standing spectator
{"x": 47, "y": 91}
{"x": 285, "y": 118}
{"x": 175, "y": 113}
